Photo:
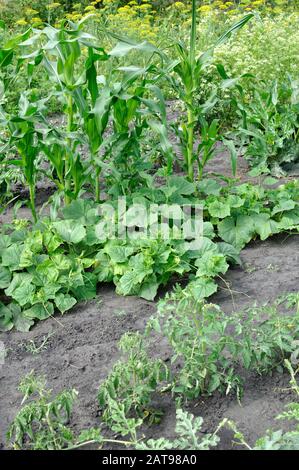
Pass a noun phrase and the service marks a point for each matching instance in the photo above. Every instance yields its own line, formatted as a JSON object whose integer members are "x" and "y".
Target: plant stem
{"x": 189, "y": 96}
{"x": 97, "y": 186}
{"x": 70, "y": 119}
{"x": 93, "y": 441}
{"x": 200, "y": 172}
{"x": 193, "y": 34}
{"x": 190, "y": 144}
{"x": 32, "y": 201}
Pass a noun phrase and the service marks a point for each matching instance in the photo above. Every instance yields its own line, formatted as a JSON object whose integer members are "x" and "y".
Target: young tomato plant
{"x": 43, "y": 423}
{"x": 202, "y": 345}
{"x": 210, "y": 345}
{"x": 126, "y": 394}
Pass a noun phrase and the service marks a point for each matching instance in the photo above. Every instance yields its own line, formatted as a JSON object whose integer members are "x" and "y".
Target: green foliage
{"x": 59, "y": 260}
{"x": 188, "y": 429}
{"x": 243, "y": 212}
{"x": 269, "y": 125}
{"x": 127, "y": 96}
{"x": 42, "y": 423}
{"x": 268, "y": 337}
{"x": 125, "y": 396}
{"x": 209, "y": 346}
{"x": 255, "y": 52}
{"x": 203, "y": 348}
{"x": 41, "y": 270}
{"x": 24, "y": 139}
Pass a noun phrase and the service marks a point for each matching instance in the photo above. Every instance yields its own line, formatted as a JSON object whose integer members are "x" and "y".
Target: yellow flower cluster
{"x": 31, "y": 16}
{"x": 267, "y": 6}
{"x": 139, "y": 19}
{"x": 136, "y": 18}
{"x": 52, "y": 6}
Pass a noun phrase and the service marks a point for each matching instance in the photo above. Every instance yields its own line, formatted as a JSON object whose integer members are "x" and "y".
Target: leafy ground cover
{"x": 61, "y": 260}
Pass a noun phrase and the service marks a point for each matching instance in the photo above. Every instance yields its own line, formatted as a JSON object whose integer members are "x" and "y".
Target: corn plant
{"x": 186, "y": 82}
{"x": 69, "y": 55}
{"x": 24, "y": 137}
{"x": 18, "y": 128}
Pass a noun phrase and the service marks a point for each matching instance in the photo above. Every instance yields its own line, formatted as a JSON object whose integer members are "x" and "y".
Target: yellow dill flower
{"x": 205, "y": 8}
{"x": 179, "y": 5}
{"x": 143, "y": 7}
{"x": 31, "y": 11}
{"x": 89, "y": 8}
{"x": 76, "y": 16}
{"x": 233, "y": 12}
{"x": 54, "y": 5}
{"x": 21, "y": 22}
{"x": 36, "y": 20}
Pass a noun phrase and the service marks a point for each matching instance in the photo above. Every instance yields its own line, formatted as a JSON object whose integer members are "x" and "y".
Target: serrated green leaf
{"x": 219, "y": 209}
{"x": 5, "y": 277}
{"x": 39, "y": 311}
{"x": 237, "y": 231}
{"x": 64, "y": 302}
{"x": 70, "y": 231}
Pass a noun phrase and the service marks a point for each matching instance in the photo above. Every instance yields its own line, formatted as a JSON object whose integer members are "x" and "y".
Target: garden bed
{"x": 187, "y": 329}
{"x": 83, "y": 348}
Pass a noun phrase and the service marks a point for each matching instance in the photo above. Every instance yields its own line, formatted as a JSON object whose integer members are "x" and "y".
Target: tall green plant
{"x": 188, "y": 69}
{"x": 24, "y": 137}
{"x": 63, "y": 55}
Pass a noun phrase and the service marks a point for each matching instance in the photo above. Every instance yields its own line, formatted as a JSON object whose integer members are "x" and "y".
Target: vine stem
{"x": 93, "y": 441}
